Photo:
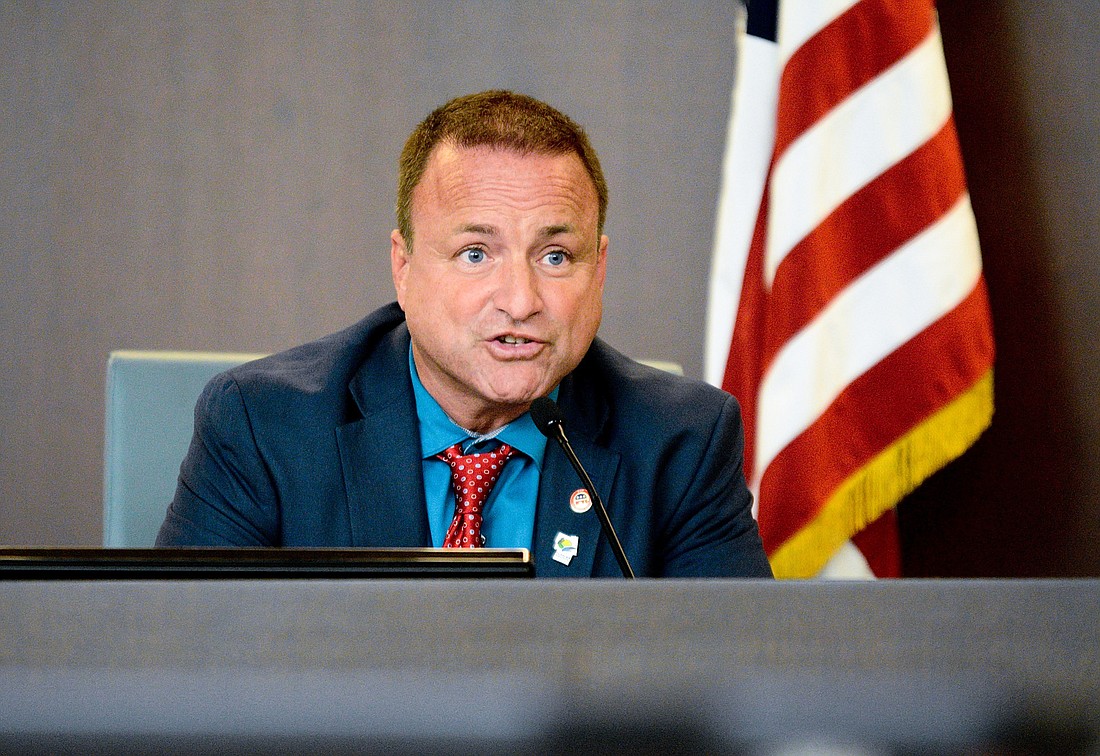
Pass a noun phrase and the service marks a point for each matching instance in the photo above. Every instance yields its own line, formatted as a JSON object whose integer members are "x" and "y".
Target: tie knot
{"x": 453, "y": 456}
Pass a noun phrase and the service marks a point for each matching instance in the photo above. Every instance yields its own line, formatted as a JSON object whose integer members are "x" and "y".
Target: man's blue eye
{"x": 556, "y": 258}
{"x": 474, "y": 255}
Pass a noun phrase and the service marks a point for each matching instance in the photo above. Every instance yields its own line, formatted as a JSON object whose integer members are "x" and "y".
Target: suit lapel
{"x": 584, "y": 419}
{"x": 380, "y": 453}
{"x": 553, "y": 515}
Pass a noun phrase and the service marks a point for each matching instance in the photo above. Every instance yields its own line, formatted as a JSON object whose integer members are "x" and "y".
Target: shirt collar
{"x": 438, "y": 431}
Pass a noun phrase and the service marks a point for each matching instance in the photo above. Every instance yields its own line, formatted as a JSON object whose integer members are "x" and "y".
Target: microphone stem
{"x": 597, "y": 504}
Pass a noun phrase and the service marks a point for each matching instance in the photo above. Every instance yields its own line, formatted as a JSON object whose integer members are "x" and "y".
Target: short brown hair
{"x": 496, "y": 118}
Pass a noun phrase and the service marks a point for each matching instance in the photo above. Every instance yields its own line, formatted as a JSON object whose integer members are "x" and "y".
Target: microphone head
{"x": 547, "y": 415}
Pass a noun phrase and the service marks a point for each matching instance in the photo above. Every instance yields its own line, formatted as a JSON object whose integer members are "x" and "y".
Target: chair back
{"x": 150, "y": 406}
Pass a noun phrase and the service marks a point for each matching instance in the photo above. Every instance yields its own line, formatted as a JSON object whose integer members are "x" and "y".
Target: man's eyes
{"x": 473, "y": 255}
{"x": 556, "y": 257}
{"x": 476, "y": 255}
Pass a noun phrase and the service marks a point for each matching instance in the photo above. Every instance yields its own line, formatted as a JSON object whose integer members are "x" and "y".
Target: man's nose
{"x": 517, "y": 292}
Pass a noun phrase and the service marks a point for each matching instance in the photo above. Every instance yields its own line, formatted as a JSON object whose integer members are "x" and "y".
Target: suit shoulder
{"x": 319, "y": 366}
{"x": 615, "y": 397}
{"x": 628, "y": 382}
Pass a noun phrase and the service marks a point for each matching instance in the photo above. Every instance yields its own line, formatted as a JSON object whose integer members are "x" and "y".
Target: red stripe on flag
{"x": 878, "y": 542}
{"x": 868, "y": 226}
{"x": 923, "y": 403}
{"x": 848, "y": 53}
{"x": 743, "y": 368}
{"x": 880, "y": 218}
{"x": 874, "y": 410}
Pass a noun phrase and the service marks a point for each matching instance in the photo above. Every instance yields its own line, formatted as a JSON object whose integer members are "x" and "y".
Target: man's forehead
{"x": 453, "y": 173}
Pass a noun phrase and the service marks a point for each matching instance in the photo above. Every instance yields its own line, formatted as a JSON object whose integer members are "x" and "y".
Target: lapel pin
{"x": 579, "y": 501}
{"x": 565, "y": 548}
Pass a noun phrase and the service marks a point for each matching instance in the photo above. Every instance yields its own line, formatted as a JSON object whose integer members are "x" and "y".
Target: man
{"x": 498, "y": 262}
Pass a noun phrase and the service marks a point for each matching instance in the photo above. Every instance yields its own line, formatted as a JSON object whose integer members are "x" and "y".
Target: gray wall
{"x": 220, "y": 176}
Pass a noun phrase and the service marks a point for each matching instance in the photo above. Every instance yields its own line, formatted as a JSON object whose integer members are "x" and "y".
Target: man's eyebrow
{"x": 477, "y": 228}
{"x": 561, "y": 228}
{"x": 545, "y": 232}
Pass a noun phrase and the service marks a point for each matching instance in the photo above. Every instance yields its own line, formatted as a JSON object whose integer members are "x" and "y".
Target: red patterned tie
{"x": 472, "y": 476}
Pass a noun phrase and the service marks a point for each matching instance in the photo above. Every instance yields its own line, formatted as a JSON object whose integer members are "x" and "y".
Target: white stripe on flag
{"x": 901, "y": 109}
{"x": 744, "y": 170}
{"x": 887, "y": 306}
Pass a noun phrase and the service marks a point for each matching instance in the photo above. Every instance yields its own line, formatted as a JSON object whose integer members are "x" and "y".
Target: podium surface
{"x": 395, "y": 662}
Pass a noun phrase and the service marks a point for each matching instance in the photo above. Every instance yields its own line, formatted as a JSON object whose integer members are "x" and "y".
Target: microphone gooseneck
{"x": 548, "y": 419}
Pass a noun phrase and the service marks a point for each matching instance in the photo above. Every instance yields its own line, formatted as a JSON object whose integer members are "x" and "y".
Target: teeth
{"x": 514, "y": 340}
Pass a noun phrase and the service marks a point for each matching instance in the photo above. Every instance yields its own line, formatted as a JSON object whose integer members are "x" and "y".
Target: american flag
{"x": 847, "y": 308}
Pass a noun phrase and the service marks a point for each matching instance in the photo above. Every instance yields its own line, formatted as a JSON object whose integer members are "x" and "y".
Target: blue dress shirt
{"x": 508, "y": 520}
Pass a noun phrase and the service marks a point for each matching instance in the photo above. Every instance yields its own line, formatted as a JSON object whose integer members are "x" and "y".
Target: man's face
{"x": 503, "y": 285}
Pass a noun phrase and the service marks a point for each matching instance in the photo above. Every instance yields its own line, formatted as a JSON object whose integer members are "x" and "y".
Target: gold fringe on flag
{"x": 886, "y": 479}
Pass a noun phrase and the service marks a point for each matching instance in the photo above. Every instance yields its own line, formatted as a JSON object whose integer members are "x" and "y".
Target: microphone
{"x": 549, "y": 421}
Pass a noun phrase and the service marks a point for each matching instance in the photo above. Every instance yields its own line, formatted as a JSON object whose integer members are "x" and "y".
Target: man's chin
{"x": 519, "y": 400}
{"x": 520, "y": 395}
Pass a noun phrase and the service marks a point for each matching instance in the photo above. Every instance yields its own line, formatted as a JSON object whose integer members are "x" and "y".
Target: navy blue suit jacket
{"x": 319, "y": 446}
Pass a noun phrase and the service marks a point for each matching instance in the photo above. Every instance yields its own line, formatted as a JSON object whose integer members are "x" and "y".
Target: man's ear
{"x": 601, "y": 261}
{"x": 399, "y": 264}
